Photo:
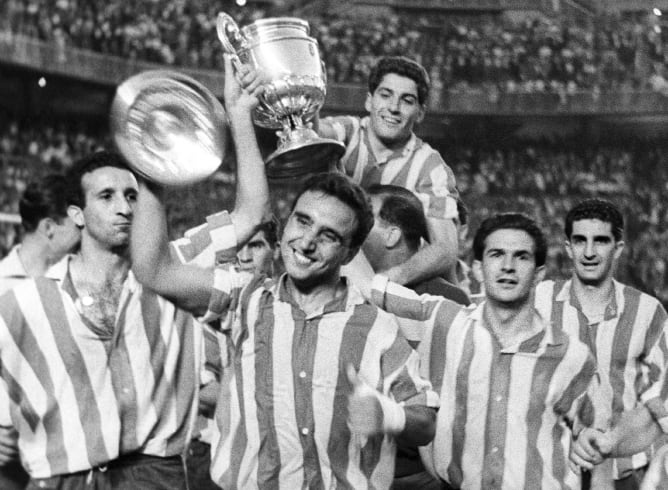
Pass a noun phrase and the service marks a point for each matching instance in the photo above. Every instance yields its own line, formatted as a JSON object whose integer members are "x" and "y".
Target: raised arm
{"x": 153, "y": 263}
{"x": 252, "y": 204}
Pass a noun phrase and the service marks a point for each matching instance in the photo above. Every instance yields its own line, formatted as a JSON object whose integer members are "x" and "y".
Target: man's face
{"x": 394, "y": 109}
{"x": 110, "y": 194}
{"x": 257, "y": 255}
{"x": 374, "y": 245}
{"x": 316, "y": 240}
{"x": 594, "y": 250}
{"x": 509, "y": 267}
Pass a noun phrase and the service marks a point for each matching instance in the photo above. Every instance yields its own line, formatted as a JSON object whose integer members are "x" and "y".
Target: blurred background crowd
{"x": 491, "y": 52}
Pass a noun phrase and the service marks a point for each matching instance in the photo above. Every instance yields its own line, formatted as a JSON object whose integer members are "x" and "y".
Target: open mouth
{"x": 391, "y": 121}
{"x": 301, "y": 259}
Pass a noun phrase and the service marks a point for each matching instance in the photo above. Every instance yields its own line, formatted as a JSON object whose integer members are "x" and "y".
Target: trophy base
{"x": 297, "y": 158}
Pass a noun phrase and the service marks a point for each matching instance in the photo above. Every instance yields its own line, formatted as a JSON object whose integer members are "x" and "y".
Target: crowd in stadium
{"x": 463, "y": 53}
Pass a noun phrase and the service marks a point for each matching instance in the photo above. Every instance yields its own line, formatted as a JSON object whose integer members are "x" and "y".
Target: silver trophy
{"x": 281, "y": 49}
{"x": 170, "y": 128}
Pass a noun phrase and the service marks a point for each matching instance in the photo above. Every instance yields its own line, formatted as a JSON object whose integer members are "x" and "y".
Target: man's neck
{"x": 97, "y": 264}
{"x": 593, "y": 298}
{"x": 393, "y": 257}
{"x": 312, "y": 299}
{"x": 382, "y": 150}
{"x": 510, "y": 324}
{"x": 34, "y": 256}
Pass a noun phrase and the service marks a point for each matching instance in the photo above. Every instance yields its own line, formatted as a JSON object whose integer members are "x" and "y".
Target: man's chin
{"x": 592, "y": 281}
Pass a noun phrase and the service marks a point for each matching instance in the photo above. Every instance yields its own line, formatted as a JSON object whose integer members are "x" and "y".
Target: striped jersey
{"x": 82, "y": 395}
{"x": 282, "y": 408}
{"x": 12, "y": 272}
{"x": 630, "y": 346}
{"x": 505, "y": 411}
{"x": 416, "y": 166}
{"x": 210, "y": 372}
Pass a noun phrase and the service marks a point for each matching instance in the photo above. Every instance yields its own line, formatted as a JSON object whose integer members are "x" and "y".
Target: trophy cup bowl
{"x": 281, "y": 49}
{"x": 169, "y": 127}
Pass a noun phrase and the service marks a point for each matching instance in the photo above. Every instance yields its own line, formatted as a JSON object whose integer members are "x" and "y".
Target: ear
{"x": 476, "y": 269}
{"x": 76, "y": 214}
{"x": 367, "y": 102}
{"x": 393, "y": 236}
{"x": 569, "y": 249}
{"x": 421, "y": 114}
{"x": 538, "y": 275}
{"x": 619, "y": 248}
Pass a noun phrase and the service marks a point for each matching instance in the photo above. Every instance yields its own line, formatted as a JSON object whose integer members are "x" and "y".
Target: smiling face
{"x": 509, "y": 267}
{"x": 394, "y": 109}
{"x": 594, "y": 251}
{"x": 316, "y": 240}
{"x": 110, "y": 194}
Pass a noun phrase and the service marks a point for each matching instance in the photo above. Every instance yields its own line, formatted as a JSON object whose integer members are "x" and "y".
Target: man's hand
{"x": 590, "y": 448}
{"x": 365, "y": 414}
{"x": 8, "y": 445}
{"x": 369, "y": 412}
{"x": 243, "y": 88}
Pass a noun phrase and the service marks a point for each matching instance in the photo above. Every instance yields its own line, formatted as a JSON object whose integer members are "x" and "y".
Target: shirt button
{"x": 495, "y": 450}
{"x": 305, "y": 431}
{"x": 126, "y": 390}
{"x": 302, "y": 374}
{"x": 498, "y": 398}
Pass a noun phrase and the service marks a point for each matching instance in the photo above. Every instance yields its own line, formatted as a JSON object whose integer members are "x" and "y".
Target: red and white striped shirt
{"x": 82, "y": 396}
{"x": 505, "y": 411}
{"x": 630, "y": 346}
{"x": 283, "y": 403}
{"x": 417, "y": 167}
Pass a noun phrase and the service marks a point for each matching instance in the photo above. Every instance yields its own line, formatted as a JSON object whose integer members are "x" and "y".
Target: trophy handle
{"x": 230, "y": 35}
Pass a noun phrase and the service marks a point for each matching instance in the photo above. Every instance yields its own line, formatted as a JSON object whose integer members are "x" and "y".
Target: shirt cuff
{"x": 210, "y": 244}
{"x": 378, "y": 289}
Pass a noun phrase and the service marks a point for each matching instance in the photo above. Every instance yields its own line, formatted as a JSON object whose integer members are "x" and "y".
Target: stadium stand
{"x": 466, "y": 52}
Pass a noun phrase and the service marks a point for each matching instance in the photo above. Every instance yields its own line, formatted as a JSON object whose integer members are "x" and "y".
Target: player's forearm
{"x": 634, "y": 432}
{"x": 148, "y": 239}
{"x": 153, "y": 264}
{"x": 252, "y": 192}
{"x": 433, "y": 260}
